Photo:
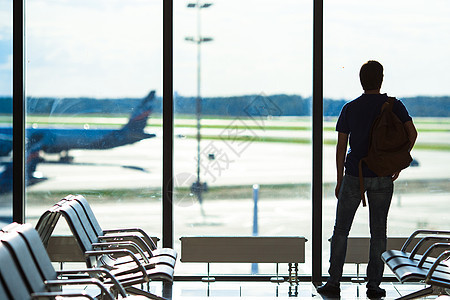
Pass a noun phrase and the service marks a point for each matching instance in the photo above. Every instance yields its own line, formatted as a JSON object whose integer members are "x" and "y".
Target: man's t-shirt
{"x": 356, "y": 119}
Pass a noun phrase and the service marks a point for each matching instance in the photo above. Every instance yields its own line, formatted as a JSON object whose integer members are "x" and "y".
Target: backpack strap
{"x": 390, "y": 105}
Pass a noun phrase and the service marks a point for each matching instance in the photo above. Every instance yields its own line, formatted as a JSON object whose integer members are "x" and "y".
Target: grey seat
{"x": 22, "y": 278}
{"x": 410, "y": 266}
{"x": 32, "y": 260}
{"x": 140, "y": 242}
{"x": 130, "y": 274}
{"x": 135, "y": 233}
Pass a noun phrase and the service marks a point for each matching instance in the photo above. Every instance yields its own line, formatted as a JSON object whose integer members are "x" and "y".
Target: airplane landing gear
{"x": 65, "y": 157}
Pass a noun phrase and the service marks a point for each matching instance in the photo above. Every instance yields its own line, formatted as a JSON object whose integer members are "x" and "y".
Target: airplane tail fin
{"x": 140, "y": 114}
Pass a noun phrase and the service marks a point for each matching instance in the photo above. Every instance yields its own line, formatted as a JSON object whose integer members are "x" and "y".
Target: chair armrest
{"x": 121, "y": 251}
{"x": 131, "y": 237}
{"x": 106, "y": 273}
{"x": 426, "y": 239}
{"x": 126, "y": 243}
{"x": 444, "y": 255}
{"x": 422, "y": 231}
{"x": 91, "y": 281}
{"x": 145, "y": 236}
{"x": 446, "y": 246}
{"x": 137, "y": 240}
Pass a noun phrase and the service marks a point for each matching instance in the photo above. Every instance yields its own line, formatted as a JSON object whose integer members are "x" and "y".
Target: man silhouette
{"x": 353, "y": 125}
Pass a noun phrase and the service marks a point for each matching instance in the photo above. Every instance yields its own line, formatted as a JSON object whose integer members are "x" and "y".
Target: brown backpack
{"x": 389, "y": 146}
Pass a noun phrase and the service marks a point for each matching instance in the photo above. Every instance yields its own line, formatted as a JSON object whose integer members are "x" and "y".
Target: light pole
{"x": 198, "y": 187}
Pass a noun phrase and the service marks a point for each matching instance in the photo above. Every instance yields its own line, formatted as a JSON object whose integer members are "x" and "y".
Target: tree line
{"x": 247, "y": 105}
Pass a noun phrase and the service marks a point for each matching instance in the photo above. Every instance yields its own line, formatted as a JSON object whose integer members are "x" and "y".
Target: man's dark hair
{"x": 371, "y": 75}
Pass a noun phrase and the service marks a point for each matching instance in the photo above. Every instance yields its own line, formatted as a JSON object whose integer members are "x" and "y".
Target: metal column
{"x": 167, "y": 188}
{"x": 317, "y": 115}
{"x": 18, "y": 111}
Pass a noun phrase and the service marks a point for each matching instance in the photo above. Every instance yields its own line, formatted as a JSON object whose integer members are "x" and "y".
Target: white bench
{"x": 245, "y": 249}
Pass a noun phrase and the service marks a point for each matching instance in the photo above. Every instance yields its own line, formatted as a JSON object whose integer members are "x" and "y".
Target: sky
{"x": 113, "y": 48}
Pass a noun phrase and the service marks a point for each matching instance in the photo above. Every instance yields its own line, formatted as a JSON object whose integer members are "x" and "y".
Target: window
{"x": 91, "y": 69}
{"x": 254, "y": 92}
{"x": 247, "y": 67}
{"x": 406, "y": 38}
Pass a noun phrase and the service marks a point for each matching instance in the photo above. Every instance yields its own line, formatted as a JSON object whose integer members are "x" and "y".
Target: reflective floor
{"x": 267, "y": 290}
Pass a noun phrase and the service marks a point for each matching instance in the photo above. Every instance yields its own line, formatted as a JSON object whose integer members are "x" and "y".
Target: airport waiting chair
{"x": 135, "y": 234}
{"x": 13, "y": 285}
{"x": 146, "y": 260}
{"x": 129, "y": 274}
{"x": 437, "y": 276}
{"x": 30, "y": 255}
{"x": 46, "y": 224}
{"x": 425, "y": 261}
{"x": 88, "y": 220}
{"x": 431, "y": 267}
{"x": 22, "y": 279}
{"x": 397, "y": 258}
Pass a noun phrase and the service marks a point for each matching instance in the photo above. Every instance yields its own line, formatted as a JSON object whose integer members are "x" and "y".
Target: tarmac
{"x": 420, "y": 200}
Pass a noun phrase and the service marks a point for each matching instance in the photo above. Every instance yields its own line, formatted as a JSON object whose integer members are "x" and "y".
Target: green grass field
{"x": 270, "y": 127}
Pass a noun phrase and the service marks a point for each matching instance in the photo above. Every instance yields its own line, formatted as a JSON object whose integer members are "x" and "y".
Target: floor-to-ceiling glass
{"x": 6, "y": 57}
{"x": 406, "y": 37}
{"x": 242, "y": 145}
{"x": 94, "y": 108}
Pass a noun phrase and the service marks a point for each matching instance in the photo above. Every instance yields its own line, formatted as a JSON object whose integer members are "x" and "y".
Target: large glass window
{"x": 406, "y": 37}
{"x": 242, "y": 98}
{"x": 242, "y": 70}
{"x": 5, "y": 112}
{"x": 94, "y": 108}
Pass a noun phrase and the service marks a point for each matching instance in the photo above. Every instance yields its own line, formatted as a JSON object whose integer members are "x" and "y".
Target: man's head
{"x": 371, "y": 75}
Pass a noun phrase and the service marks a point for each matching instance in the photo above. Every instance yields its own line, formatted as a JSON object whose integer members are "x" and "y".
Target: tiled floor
{"x": 268, "y": 290}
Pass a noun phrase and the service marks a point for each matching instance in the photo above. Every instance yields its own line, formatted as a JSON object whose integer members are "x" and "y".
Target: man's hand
{"x": 341, "y": 150}
{"x": 395, "y": 176}
{"x": 338, "y": 188}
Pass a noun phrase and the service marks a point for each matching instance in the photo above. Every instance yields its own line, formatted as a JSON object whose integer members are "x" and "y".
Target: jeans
{"x": 379, "y": 195}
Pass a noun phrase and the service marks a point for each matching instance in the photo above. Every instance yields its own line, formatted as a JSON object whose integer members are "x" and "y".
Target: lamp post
{"x": 198, "y": 187}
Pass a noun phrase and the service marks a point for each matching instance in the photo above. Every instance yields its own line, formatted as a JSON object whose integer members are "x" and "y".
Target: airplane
{"x": 6, "y": 182}
{"x": 61, "y": 140}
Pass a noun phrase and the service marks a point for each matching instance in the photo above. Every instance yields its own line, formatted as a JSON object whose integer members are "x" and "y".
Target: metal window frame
{"x": 167, "y": 188}
{"x": 317, "y": 140}
{"x": 18, "y": 111}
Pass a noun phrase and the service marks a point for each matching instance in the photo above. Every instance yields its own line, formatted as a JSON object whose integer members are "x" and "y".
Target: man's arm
{"x": 341, "y": 151}
{"x": 412, "y": 132}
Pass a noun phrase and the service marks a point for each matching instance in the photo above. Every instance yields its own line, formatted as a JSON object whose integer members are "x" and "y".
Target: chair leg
{"x": 167, "y": 289}
{"x": 420, "y": 293}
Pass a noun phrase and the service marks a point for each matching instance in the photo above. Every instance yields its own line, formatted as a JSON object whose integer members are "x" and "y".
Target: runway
{"x": 235, "y": 163}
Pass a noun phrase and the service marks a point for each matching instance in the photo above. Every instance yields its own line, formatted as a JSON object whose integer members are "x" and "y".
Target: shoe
{"x": 374, "y": 293}
{"x": 329, "y": 290}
